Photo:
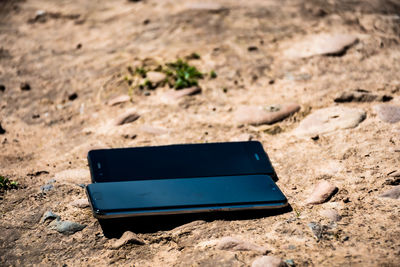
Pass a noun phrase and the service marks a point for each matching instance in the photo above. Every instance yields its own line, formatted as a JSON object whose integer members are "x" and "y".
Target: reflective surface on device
{"x": 184, "y": 195}
{"x": 179, "y": 161}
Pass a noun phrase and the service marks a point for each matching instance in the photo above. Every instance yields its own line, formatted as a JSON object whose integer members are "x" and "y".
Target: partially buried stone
{"x": 206, "y": 6}
{"x": 388, "y": 113}
{"x": 177, "y": 94}
{"x": 360, "y": 95}
{"x": 255, "y": 115}
{"x": 153, "y": 130}
{"x": 46, "y": 188}
{"x": 127, "y": 237}
{"x": 322, "y": 44}
{"x": 75, "y": 176}
{"x": 393, "y": 193}
{"x": 321, "y": 193}
{"x": 118, "y": 100}
{"x": 235, "y": 244}
{"x": 49, "y": 215}
{"x": 81, "y": 203}
{"x": 331, "y": 214}
{"x": 268, "y": 261}
{"x": 318, "y": 230}
{"x": 328, "y": 120}
{"x": 66, "y": 227}
{"x": 127, "y": 117}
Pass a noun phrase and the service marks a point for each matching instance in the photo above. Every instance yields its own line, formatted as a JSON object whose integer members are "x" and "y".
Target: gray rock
{"x": 254, "y": 115}
{"x": 66, "y": 227}
{"x": 173, "y": 95}
{"x": 155, "y": 77}
{"x": 235, "y": 244}
{"x": 118, "y": 100}
{"x": 80, "y": 203}
{"x": 321, "y": 193}
{"x": 388, "y": 113}
{"x": 328, "y": 120}
{"x": 318, "y": 230}
{"x": 49, "y": 215}
{"x": 126, "y": 238}
{"x": 393, "y": 193}
{"x": 127, "y": 117}
{"x": 321, "y": 44}
{"x": 46, "y": 188}
{"x": 290, "y": 262}
{"x": 331, "y": 214}
{"x": 268, "y": 261}
{"x": 360, "y": 95}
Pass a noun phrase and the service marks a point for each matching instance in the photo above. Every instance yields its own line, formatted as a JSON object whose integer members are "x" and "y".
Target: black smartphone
{"x": 179, "y": 161}
{"x": 185, "y": 195}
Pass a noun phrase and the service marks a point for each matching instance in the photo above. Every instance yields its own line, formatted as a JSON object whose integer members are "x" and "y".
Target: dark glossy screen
{"x": 184, "y": 193}
{"x": 179, "y": 161}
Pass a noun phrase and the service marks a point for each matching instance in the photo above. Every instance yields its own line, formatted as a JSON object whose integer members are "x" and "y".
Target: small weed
{"x": 297, "y": 212}
{"x": 6, "y": 184}
{"x": 183, "y": 75}
{"x": 213, "y": 74}
{"x": 141, "y": 71}
{"x": 179, "y": 75}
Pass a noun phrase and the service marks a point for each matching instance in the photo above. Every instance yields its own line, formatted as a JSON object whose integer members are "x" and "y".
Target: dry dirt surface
{"x": 62, "y": 62}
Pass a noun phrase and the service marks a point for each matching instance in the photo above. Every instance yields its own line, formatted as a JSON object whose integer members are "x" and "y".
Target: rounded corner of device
{"x": 98, "y": 214}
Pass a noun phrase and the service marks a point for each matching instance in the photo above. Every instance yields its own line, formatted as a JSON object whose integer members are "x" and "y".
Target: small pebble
{"x": 206, "y": 6}
{"x": 178, "y": 94}
{"x": 127, "y": 117}
{"x": 331, "y": 214}
{"x": 321, "y": 44}
{"x": 46, "y": 188}
{"x": 156, "y": 77}
{"x": 255, "y": 115}
{"x": 268, "y": 261}
{"x": 74, "y": 176}
{"x": 235, "y": 244}
{"x": 290, "y": 262}
{"x": 317, "y": 229}
{"x": 80, "y": 203}
{"x": 360, "y": 95}
{"x": 118, "y": 100}
{"x": 321, "y": 193}
{"x": 153, "y": 130}
{"x": 328, "y": 120}
{"x": 388, "y": 113}
{"x": 126, "y": 238}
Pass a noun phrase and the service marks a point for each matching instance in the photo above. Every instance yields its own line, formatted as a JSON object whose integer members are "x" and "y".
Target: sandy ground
{"x": 84, "y": 48}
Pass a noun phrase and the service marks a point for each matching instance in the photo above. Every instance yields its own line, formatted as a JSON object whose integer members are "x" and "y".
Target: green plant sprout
{"x": 6, "y": 184}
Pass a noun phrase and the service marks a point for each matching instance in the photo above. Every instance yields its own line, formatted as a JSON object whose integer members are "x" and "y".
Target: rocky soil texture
{"x": 317, "y": 82}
